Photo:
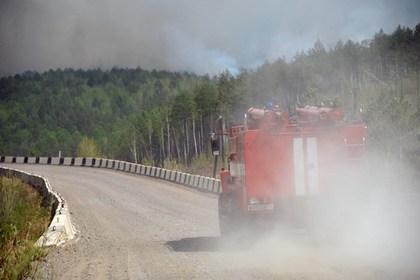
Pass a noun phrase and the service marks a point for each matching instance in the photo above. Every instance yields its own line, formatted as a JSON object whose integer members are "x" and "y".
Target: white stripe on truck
{"x": 313, "y": 166}
{"x": 298, "y": 164}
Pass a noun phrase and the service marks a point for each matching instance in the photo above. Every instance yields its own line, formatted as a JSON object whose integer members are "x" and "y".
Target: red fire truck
{"x": 283, "y": 164}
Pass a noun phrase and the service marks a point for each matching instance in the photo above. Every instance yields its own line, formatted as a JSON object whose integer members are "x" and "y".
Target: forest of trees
{"x": 155, "y": 117}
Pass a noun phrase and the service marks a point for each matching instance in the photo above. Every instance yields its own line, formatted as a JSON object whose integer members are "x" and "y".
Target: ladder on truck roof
{"x": 360, "y": 156}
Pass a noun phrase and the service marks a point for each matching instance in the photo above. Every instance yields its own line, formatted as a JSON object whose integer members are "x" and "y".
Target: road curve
{"x": 135, "y": 227}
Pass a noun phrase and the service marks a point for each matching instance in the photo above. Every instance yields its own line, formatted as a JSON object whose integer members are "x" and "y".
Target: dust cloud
{"x": 380, "y": 246}
{"x": 369, "y": 231}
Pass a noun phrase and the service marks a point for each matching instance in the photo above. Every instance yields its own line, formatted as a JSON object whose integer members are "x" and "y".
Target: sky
{"x": 204, "y": 37}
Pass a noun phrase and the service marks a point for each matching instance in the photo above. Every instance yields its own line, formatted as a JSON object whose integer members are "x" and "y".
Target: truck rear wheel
{"x": 224, "y": 217}
{"x": 231, "y": 220}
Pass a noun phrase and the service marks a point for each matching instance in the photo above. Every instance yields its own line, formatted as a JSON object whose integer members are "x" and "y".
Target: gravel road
{"x": 136, "y": 227}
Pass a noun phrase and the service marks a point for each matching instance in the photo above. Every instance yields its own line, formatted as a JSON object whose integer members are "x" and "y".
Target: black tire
{"x": 224, "y": 217}
{"x": 231, "y": 220}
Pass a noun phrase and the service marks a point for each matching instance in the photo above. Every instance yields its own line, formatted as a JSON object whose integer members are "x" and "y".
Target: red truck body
{"x": 279, "y": 164}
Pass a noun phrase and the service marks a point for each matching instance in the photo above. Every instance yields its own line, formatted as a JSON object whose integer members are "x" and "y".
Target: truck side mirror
{"x": 214, "y": 145}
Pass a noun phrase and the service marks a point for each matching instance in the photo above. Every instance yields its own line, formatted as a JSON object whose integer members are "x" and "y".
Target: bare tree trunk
{"x": 150, "y": 141}
{"x": 188, "y": 139}
{"x": 202, "y": 135}
{"x": 159, "y": 160}
{"x": 185, "y": 155}
{"x": 200, "y": 140}
{"x": 205, "y": 139}
{"x": 162, "y": 145}
{"x": 133, "y": 146}
{"x": 169, "y": 136}
{"x": 141, "y": 155}
{"x": 186, "y": 143}
{"x": 195, "y": 138}
{"x": 211, "y": 121}
{"x": 176, "y": 145}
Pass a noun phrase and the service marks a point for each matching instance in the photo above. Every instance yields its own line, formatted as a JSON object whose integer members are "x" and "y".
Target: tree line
{"x": 155, "y": 117}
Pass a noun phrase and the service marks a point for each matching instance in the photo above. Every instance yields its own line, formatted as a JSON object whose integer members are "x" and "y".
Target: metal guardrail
{"x": 190, "y": 180}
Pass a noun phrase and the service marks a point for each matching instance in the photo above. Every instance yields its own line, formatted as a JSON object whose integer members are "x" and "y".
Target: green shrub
{"x": 22, "y": 222}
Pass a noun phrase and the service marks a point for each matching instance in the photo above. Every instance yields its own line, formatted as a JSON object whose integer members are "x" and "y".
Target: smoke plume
{"x": 203, "y": 37}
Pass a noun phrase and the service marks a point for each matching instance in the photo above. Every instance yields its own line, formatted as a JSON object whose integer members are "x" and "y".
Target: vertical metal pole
{"x": 215, "y": 166}
{"x": 223, "y": 150}
{"x": 216, "y": 157}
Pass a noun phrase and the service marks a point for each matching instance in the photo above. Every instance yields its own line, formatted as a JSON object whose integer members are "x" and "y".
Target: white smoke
{"x": 204, "y": 37}
{"x": 191, "y": 54}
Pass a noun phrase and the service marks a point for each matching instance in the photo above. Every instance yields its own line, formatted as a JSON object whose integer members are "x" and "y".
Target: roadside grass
{"x": 203, "y": 165}
{"x": 172, "y": 165}
{"x": 23, "y": 220}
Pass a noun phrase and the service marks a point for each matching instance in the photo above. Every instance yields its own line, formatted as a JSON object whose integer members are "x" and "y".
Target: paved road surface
{"x": 135, "y": 227}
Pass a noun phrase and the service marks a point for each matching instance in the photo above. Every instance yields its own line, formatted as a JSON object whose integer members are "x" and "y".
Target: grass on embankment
{"x": 202, "y": 166}
{"x": 23, "y": 220}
